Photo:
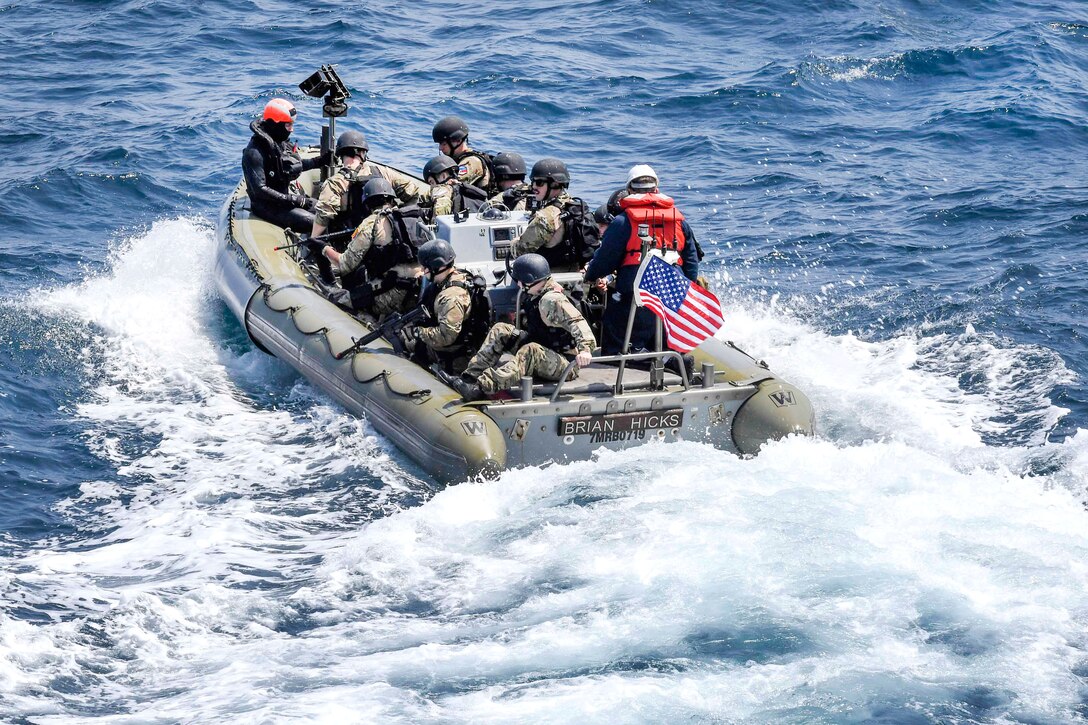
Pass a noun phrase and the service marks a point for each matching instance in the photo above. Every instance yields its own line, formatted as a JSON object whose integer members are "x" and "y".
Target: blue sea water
{"x": 894, "y": 204}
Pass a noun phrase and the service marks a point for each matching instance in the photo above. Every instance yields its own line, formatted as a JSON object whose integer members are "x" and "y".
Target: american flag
{"x": 691, "y": 314}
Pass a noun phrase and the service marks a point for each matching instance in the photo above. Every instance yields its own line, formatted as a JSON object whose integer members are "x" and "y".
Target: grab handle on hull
{"x": 623, "y": 359}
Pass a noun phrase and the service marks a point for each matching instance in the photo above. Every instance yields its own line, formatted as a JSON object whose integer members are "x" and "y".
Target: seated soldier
{"x": 548, "y": 232}
{"x": 459, "y": 311}
{"x": 340, "y": 202}
{"x": 447, "y": 194}
{"x": 379, "y": 266}
{"x": 451, "y": 135}
{"x": 555, "y": 333}
{"x": 510, "y": 177}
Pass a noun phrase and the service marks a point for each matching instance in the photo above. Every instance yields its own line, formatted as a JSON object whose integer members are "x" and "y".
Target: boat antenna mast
{"x": 325, "y": 82}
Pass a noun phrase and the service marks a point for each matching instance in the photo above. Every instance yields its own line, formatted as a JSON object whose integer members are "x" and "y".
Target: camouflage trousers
{"x": 395, "y": 300}
{"x": 532, "y": 359}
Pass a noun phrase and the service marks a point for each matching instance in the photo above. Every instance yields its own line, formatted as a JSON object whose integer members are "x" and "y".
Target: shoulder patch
{"x": 462, "y": 169}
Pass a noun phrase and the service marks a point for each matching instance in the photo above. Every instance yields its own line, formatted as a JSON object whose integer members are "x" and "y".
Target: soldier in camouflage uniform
{"x": 451, "y": 135}
{"x": 555, "y": 333}
{"x": 458, "y": 318}
{"x": 510, "y": 178}
{"x": 545, "y": 234}
{"x": 379, "y": 266}
{"x": 446, "y": 194}
{"x": 335, "y": 205}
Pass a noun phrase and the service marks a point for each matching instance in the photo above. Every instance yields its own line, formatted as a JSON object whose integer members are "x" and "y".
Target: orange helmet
{"x": 281, "y": 110}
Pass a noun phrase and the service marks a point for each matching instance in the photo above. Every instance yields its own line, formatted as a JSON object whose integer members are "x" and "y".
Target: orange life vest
{"x": 664, "y": 220}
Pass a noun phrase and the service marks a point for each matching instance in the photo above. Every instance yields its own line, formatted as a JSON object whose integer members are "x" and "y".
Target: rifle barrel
{"x": 391, "y": 325}
{"x": 314, "y": 240}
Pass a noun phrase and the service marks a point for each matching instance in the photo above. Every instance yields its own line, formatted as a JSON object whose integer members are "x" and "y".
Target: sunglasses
{"x": 540, "y": 182}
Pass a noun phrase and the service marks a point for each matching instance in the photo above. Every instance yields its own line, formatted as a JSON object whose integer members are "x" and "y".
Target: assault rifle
{"x": 314, "y": 245}
{"x": 299, "y": 240}
{"x": 388, "y": 329}
{"x": 519, "y": 193}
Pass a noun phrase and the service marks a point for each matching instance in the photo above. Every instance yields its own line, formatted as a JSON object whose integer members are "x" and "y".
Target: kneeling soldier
{"x": 555, "y": 332}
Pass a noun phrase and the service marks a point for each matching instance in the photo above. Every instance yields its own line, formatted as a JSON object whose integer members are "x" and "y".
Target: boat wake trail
{"x": 232, "y": 475}
{"x": 259, "y": 552}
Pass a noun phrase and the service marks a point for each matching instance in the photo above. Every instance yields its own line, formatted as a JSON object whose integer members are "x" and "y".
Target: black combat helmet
{"x": 450, "y": 129}
{"x": 377, "y": 192}
{"x": 530, "y": 269}
{"x": 435, "y": 256}
{"x": 509, "y": 165}
{"x": 554, "y": 170}
{"x": 352, "y": 141}
{"x": 613, "y": 204}
{"x": 603, "y": 215}
{"x": 438, "y": 164}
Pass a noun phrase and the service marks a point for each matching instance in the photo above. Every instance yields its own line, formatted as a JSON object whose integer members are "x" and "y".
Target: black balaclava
{"x": 276, "y": 130}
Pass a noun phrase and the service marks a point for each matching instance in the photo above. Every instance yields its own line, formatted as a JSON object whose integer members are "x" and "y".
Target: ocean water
{"x": 894, "y": 203}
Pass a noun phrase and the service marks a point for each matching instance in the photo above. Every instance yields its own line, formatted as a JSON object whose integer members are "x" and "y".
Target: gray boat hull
{"x": 739, "y": 407}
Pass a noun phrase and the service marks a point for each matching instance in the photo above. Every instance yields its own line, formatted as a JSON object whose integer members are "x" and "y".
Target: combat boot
{"x": 468, "y": 389}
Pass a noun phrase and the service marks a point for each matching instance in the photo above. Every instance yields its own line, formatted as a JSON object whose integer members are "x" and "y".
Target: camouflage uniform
{"x": 377, "y": 230}
{"x": 545, "y": 230}
{"x": 521, "y": 193}
{"x": 440, "y": 197}
{"x": 532, "y": 358}
{"x": 471, "y": 169}
{"x": 448, "y": 197}
{"x": 451, "y": 309}
{"x": 333, "y": 199}
{"x": 407, "y": 188}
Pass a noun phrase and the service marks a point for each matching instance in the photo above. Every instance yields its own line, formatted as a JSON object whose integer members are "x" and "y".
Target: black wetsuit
{"x": 269, "y": 166}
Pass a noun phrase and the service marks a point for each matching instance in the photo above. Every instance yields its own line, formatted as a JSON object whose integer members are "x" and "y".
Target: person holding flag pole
{"x": 621, "y": 253}
{"x": 689, "y": 312}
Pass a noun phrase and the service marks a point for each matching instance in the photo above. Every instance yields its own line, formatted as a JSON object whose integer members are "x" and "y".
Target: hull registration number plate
{"x": 620, "y": 426}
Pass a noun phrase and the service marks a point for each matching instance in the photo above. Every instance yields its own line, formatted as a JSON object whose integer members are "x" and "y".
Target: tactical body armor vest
{"x": 476, "y": 324}
{"x": 355, "y": 211}
{"x": 553, "y": 338}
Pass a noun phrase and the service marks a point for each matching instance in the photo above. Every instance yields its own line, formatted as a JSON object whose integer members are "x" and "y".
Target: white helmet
{"x": 641, "y": 171}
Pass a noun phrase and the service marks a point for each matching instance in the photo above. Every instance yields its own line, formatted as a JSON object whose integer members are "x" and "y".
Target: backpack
{"x": 580, "y": 230}
{"x": 408, "y": 226}
{"x": 489, "y": 163}
{"x": 476, "y": 327}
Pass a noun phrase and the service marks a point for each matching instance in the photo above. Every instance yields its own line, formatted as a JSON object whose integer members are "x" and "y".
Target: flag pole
{"x": 647, "y": 241}
{"x": 657, "y": 365}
